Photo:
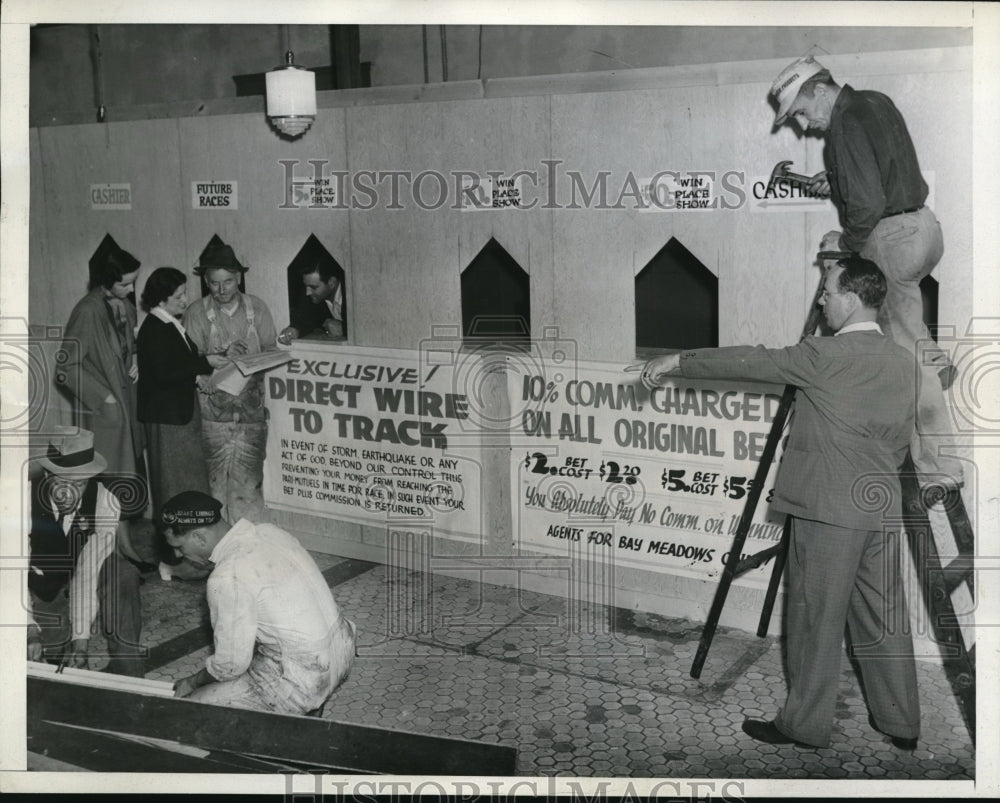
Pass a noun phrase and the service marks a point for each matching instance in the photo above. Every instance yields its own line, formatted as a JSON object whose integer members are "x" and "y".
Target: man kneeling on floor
{"x": 281, "y": 644}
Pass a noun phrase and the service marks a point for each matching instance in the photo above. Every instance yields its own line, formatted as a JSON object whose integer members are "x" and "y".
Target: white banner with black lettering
{"x": 374, "y": 436}
{"x": 655, "y": 480}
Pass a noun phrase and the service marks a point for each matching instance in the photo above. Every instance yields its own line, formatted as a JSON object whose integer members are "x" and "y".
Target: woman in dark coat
{"x": 99, "y": 370}
{"x": 99, "y": 373}
{"x": 169, "y": 365}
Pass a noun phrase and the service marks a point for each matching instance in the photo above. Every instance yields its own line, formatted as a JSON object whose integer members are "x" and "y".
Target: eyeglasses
{"x": 826, "y": 294}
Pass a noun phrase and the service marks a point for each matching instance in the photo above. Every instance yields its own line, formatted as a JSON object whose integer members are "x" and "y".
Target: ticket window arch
{"x": 496, "y": 299}
{"x": 676, "y": 302}
{"x": 312, "y": 255}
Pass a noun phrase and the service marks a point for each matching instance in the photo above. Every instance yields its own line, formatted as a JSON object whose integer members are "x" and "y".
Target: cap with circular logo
{"x": 191, "y": 508}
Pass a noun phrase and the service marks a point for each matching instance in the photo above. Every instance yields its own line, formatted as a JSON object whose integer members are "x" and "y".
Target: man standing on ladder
{"x": 839, "y": 482}
{"x": 873, "y": 177}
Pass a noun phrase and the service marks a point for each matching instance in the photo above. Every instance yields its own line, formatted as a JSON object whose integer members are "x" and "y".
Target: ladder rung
{"x": 957, "y": 572}
{"x": 757, "y": 559}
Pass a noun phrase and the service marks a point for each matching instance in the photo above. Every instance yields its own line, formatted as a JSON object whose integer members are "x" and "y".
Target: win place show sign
{"x": 371, "y": 436}
{"x": 653, "y": 480}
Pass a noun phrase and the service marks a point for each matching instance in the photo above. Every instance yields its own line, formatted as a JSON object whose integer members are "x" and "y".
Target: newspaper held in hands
{"x": 234, "y": 376}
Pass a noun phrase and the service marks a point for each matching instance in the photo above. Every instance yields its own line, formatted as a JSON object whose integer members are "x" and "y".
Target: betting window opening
{"x": 496, "y": 304}
{"x": 317, "y": 293}
{"x": 676, "y": 303}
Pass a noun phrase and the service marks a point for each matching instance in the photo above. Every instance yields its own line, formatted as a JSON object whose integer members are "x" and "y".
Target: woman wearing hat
{"x": 233, "y": 425}
{"x": 169, "y": 365}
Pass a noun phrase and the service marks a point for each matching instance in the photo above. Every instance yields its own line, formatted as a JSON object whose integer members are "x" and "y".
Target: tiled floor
{"x": 577, "y": 691}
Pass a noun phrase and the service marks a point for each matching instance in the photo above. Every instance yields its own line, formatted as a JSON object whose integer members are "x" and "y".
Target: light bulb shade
{"x": 292, "y": 126}
{"x": 291, "y": 92}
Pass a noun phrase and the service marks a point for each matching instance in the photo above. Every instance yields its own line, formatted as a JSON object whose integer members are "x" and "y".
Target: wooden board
{"x": 271, "y": 737}
{"x": 106, "y": 752}
{"x": 104, "y": 680}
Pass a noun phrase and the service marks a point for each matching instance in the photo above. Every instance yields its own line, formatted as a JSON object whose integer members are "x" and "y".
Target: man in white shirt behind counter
{"x": 281, "y": 644}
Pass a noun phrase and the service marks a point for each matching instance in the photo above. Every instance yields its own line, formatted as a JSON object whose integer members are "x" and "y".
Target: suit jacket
{"x": 93, "y": 370}
{"x": 308, "y": 317}
{"x": 54, "y": 552}
{"x": 168, "y": 367}
{"x": 853, "y": 420}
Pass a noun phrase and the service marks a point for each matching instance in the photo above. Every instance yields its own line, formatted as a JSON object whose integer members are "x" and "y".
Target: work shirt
{"x": 309, "y": 317}
{"x": 267, "y": 592}
{"x": 335, "y": 305}
{"x": 871, "y": 164}
{"x": 213, "y": 329}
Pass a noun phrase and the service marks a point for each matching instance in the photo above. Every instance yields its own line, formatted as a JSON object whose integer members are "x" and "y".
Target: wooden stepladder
{"x": 779, "y": 551}
{"x": 937, "y": 582}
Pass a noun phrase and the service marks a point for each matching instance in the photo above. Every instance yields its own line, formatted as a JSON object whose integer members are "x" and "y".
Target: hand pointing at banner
{"x": 657, "y": 369}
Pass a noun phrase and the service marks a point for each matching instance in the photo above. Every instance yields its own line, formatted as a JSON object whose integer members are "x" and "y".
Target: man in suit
{"x": 75, "y": 569}
{"x": 839, "y": 481}
{"x": 323, "y": 308}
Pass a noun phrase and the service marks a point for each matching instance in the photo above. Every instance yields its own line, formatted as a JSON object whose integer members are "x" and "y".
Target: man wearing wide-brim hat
{"x": 234, "y": 425}
{"x": 74, "y": 569}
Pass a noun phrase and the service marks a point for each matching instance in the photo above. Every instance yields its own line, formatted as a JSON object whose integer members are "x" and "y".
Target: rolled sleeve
{"x": 233, "y": 609}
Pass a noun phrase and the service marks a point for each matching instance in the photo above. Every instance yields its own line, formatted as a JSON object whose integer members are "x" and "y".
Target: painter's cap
{"x": 789, "y": 81}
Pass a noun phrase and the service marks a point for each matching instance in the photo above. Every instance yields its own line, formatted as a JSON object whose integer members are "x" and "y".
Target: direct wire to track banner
{"x": 374, "y": 436}
{"x": 657, "y": 478}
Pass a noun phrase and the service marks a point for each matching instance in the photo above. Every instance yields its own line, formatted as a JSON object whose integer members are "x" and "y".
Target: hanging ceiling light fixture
{"x": 291, "y": 97}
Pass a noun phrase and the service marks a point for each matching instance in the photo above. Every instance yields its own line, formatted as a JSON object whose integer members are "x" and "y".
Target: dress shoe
{"x": 766, "y": 732}
{"x": 908, "y": 743}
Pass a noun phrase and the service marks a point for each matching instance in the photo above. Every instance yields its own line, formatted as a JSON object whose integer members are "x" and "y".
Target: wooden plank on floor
{"x": 103, "y": 752}
{"x": 38, "y": 762}
{"x": 347, "y": 569}
{"x": 303, "y": 740}
{"x": 107, "y": 680}
{"x": 179, "y": 647}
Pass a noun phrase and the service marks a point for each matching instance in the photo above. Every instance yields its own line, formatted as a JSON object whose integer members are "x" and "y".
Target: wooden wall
{"x": 403, "y": 266}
